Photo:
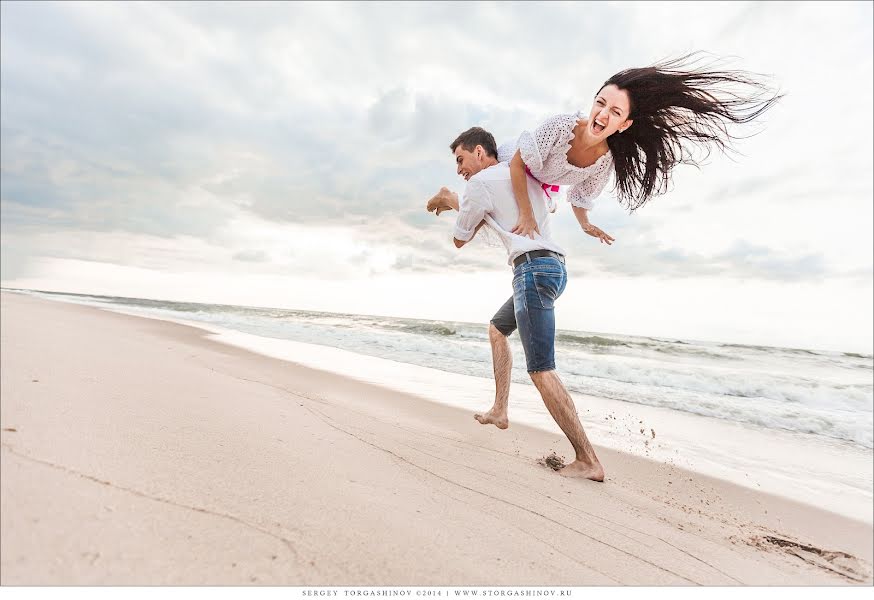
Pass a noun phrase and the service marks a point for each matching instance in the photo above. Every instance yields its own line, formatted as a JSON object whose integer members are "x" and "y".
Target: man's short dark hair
{"x": 476, "y": 136}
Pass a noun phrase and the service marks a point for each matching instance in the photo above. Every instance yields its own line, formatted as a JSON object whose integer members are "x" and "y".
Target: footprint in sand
{"x": 553, "y": 461}
{"x": 835, "y": 561}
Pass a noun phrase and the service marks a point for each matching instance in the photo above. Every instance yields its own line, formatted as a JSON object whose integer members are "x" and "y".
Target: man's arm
{"x": 471, "y": 213}
{"x": 443, "y": 200}
{"x": 459, "y": 243}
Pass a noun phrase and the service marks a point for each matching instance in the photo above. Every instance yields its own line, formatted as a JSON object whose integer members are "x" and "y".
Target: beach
{"x": 141, "y": 452}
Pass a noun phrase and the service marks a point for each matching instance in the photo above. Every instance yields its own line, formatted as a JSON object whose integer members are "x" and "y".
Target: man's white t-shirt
{"x": 489, "y": 196}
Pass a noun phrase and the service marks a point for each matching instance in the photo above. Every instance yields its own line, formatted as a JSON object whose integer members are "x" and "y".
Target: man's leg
{"x": 534, "y": 297}
{"x": 502, "y": 361}
{"x": 501, "y": 326}
{"x": 561, "y": 406}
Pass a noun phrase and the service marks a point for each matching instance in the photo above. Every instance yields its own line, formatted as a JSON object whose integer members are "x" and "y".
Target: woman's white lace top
{"x": 544, "y": 152}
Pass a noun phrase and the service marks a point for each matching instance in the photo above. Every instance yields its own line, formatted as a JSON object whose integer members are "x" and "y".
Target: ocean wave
{"x": 847, "y": 426}
{"x": 774, "y": 349}
{"x": 602, "y": 344}
{"x": 420, "y": 328}
{"x": 589, "y": 340}
{"x": 429, "y": 329}
{"x": 823, "y": 394}
{"x": 855, "y": 355}
{"x": 738, "y": 383}
{"x": 691, "y": 351}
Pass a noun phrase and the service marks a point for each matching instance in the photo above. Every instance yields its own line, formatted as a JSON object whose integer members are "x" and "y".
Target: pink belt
{"x": 547, "y": 187}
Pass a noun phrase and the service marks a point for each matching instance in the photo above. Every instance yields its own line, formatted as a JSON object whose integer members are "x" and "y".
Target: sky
{"x": 281, "y": 155}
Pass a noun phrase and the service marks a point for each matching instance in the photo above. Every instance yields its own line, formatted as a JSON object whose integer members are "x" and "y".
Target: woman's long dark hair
{"x": 678, "y": 107}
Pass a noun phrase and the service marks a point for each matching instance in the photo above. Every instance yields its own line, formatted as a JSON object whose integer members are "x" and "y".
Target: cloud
{"x": 147, "y": 103}
{"x": 181, "y": 134}
{"x": 255, "y": 256}
{"x": 764, "y": 262}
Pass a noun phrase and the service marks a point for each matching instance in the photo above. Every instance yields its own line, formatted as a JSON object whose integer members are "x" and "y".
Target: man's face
{"x": 469, "y": 162}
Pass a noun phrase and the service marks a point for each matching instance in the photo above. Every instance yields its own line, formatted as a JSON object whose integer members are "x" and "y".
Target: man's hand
{"x": 443, "y": 200}
{"x": 596, "y": 232}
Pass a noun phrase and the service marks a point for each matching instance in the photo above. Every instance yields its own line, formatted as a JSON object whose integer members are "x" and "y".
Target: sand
{"x": 139, "y": 452}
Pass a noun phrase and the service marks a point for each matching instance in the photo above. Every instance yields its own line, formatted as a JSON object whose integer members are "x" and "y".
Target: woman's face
{"x": 610, "y": 112}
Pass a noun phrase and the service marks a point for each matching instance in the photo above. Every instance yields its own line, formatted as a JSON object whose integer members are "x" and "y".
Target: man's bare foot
{"x": 587, "y": 471}
{"x": 490, "y": 418}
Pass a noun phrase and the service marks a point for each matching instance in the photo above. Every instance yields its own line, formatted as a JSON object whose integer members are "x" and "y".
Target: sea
{"x": 792, "y": 421}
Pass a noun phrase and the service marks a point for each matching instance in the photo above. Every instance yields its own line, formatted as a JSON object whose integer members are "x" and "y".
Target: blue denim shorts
{"x": 537, "y": 284}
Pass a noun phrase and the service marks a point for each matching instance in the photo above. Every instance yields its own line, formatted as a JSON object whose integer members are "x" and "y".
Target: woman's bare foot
{"x": 490, "y": 418}
{"x": 595, "y": 472}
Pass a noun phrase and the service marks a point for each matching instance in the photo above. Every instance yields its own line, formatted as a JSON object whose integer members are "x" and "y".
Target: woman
{"x": 643, "y": 123}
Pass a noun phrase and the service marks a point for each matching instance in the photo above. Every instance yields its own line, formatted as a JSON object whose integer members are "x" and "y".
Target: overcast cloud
{"x": 302, "y": 140}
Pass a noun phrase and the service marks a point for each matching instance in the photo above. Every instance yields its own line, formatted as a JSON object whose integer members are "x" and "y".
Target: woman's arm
{"x": 526, "y": 225}
{"x": 582, "y": 216}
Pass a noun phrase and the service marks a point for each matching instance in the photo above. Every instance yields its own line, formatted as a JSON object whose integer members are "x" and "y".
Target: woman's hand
{"x": 596, "y": 232}
{"x": 526, "y": 226}
{"x": 582, "y": 216}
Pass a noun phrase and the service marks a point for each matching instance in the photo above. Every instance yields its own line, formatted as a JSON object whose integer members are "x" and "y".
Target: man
{"x": 539, "y": 278}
